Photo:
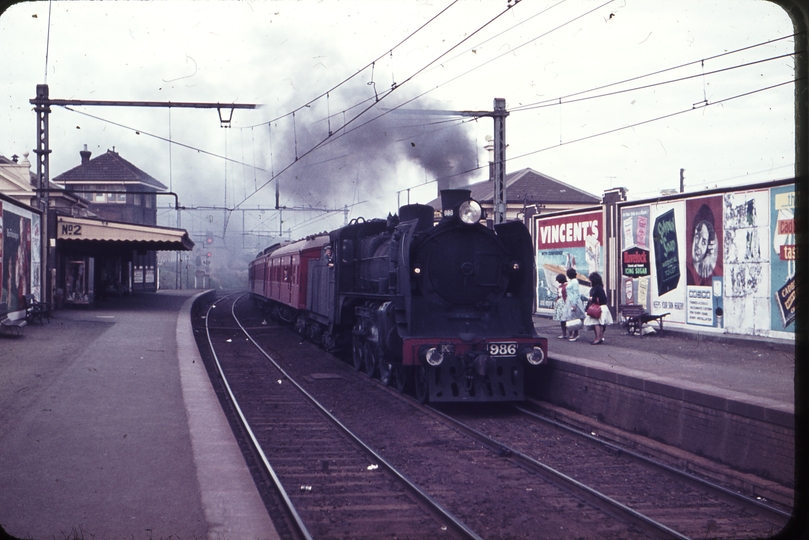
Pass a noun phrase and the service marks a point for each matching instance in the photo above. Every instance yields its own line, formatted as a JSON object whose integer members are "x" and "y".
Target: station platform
{"x": 109, "y": 428}
{"x": 728, "y": 399}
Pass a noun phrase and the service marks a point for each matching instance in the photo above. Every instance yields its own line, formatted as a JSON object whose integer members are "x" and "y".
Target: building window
{"x": 116, "y": 197}
{"x": 149, "y": 201}
{"x": 137, "y": 199}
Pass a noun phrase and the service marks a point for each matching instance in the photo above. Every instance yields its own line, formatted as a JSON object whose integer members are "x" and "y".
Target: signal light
{"x": 208, "y": 254}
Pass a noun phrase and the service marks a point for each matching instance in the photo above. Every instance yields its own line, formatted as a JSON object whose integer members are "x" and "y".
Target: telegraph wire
{"x": 366, "y": 109}
{"x": 714, "y": 57}
{"x": 370, "y": 64}
{"x": 615, "y": 130}
{"x": 543, "y": 104}
{"x": 509, "y": 29}
{"x": 158, "y": 137}
{"x": 558, "y": 101}
{"x": 48, "y": 41}
{"x": 516, "y": 109}
{"x": 466, "y": 72}
{"x": 663, "y": 117}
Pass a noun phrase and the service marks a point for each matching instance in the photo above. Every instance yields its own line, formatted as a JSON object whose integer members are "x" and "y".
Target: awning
{"x": 129, "y": 235}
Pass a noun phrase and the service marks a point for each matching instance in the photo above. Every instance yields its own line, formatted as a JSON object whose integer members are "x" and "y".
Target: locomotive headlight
{"x": 434, "y": 357}
{"x": 534, "y": 356}
{"x": 470, "y": 212}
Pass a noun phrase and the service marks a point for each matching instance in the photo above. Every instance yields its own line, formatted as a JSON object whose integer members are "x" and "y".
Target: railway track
{"x": 480, "y": 477}
{"x": 332, "y": 484}
{"x": 668, "y": 502}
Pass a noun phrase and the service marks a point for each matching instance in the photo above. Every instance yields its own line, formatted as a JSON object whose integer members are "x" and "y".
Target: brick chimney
{"x": 85, "y": 155}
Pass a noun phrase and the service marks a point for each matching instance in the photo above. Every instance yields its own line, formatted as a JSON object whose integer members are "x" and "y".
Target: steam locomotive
{"x": 443, "y": 310}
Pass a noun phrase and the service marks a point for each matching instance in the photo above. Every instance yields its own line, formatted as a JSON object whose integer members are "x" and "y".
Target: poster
{"x": 703, "y": 260}
{"x": 782, "y": 267}
{"x": 704, "y": 236}
{"x": 36, "y": 257}
{"x": 563, "y": 242}
{"x": 635, "y": 256}
{"x": 635, "y": 263}
{"x": 699, "y": 307}
{"x": 747, "y": 261}
{"x": 16, "y": 273}
{"x": 667, "y": 257}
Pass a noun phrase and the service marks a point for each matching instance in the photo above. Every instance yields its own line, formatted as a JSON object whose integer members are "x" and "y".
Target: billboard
{"x": 15, "y": 252}
{"x": 703, "y": 261}
{"x": 569, "y": 241}
{"x": 782, "y": 267}
{"x": 724, "y": 261}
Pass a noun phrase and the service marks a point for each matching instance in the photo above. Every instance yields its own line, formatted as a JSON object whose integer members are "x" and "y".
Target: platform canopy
{"x": 124, "y": 235}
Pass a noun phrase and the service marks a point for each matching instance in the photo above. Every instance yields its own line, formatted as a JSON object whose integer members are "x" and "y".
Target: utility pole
{"x": 42, "y": 106}
{"x": 499, "y": 114}
{"x": 500, "y": 201}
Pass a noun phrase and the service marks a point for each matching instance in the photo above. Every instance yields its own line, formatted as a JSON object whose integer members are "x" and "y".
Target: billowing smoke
{"x": 368, "y": 157}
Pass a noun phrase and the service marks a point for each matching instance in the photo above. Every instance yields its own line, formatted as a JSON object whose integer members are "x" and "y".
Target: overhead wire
{"x": 360, "y": 70}
{"x": 558, "y": 101}
{"x": 653, "y": 73}
{"x": 542, "y": 104}
{"x": 366, "y": 109}
{"x": 158, "y": 137}
{"x": 516, "y": 109}
{"x": 329, "y": 140}
{"x": 622, "y": 128}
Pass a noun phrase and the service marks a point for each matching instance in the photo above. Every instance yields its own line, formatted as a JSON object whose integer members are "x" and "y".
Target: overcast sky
{"x": 541, "y": 56}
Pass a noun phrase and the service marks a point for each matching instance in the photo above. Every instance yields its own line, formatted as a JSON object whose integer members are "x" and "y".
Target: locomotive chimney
{"x": 450, "y": 198}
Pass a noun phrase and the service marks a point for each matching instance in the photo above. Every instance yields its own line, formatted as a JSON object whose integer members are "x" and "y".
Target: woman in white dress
{"x": 574, "y": 307}
{"x": 598, "y": 297}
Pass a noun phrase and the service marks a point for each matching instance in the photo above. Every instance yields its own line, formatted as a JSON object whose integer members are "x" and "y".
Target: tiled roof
{"x": 108, "y": 167}
{"x": 530, "y": 187}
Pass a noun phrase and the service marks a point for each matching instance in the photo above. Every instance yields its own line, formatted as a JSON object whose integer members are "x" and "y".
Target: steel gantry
{"x": 42, "y": 106}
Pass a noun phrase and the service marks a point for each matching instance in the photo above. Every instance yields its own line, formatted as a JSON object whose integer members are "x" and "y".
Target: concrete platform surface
{"x": 109, "y": 428}
{"x": 758, "y": 371}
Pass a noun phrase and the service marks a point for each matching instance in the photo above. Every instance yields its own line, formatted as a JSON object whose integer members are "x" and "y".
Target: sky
{"x": 600, "y": 94}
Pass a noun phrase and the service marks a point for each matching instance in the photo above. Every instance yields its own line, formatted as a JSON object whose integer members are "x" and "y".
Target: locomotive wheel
{"x": 371, "y": 357}
{"x": 385, "y": 371}
{"x": 313, "y": 332}
{"x": 300, "y": 325}
{"x": 357, "y": 352}
{"x": 421, "y": 383}
{"x": 401, "y": 377}
{"x": 328, "y": 340}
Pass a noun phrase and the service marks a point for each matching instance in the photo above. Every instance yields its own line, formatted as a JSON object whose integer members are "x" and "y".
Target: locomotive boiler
{"x": 444, "y": 310}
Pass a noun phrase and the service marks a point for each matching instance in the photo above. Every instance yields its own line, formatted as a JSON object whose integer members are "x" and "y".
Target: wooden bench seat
{"x": 635, "y": 316}
{"x": 10, "y": 325}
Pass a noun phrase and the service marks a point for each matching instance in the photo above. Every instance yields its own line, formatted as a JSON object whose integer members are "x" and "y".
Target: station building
{"x": 102, "y": 234}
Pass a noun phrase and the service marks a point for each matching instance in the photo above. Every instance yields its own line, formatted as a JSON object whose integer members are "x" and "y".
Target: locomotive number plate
{"x": 502, "y": 349}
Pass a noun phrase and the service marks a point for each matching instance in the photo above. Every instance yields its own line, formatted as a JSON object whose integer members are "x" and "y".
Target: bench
{"x": 34, "y": 309}
{"x": 635, "y": 316}
{"x": 10, "y": 325}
